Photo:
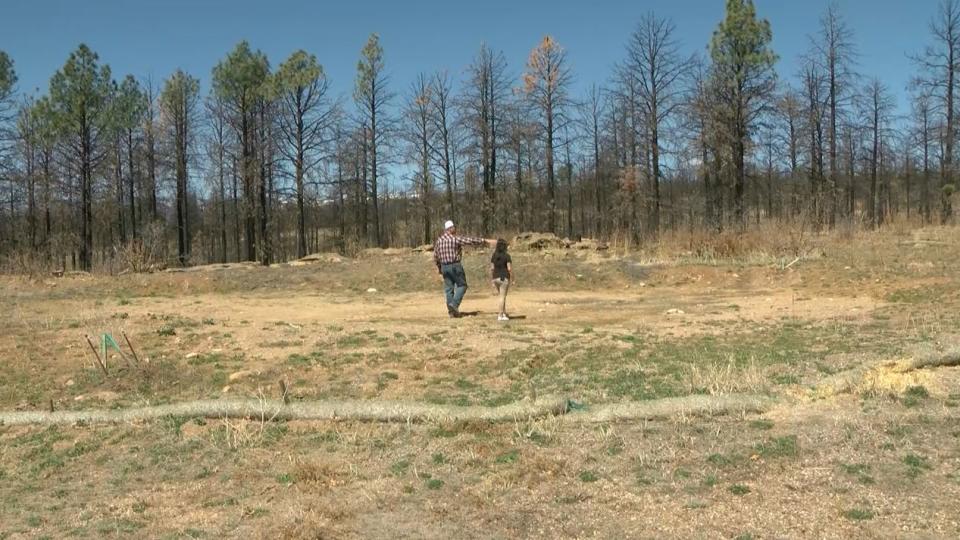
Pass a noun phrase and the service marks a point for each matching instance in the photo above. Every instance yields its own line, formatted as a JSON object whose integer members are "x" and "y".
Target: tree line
{"x": 270, "y": 165}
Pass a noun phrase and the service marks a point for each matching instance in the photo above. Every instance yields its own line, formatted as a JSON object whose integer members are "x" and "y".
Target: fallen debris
{"x": 532, "y": 241}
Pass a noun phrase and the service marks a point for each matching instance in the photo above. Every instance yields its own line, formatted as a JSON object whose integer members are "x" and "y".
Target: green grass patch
{"x": 859, "y": 514}
{"x": 283, "y": 343}
{"x": 778, "y": 447}
{"x": 399, "y": 468}
{"x": 786, "y": 380}
{"x": 859, "y": 470}
{"x": 914, "y": 395}
{"x": 588, "y": 476}
{"x": 916, "y": 465}
{"x": 919, "y": 295}
{"x": 257, "y": 513}
{"x": 352, "y": 341}
{"x": 82, "y": 447}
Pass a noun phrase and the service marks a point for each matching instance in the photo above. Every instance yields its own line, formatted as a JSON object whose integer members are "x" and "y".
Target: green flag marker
{"x": 108, "y": 341}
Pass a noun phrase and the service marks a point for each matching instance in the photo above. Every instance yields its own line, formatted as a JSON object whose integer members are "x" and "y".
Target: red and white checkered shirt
{"x": 448, "y": 249}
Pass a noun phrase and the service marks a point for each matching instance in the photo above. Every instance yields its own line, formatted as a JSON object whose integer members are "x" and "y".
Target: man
{"x": 447, "y": 254}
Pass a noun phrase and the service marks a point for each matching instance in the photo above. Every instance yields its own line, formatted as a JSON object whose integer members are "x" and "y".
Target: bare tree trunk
{"x": 925, "y": 188}
{"x": 441, "y": 111}
{"x": 118, "y": 178}
{"x": 518, "y": 179}
{"x": 221, "y": 184}
{"x": 551, "y": 179}
{"x": 131, "y": 181}
{"x": 597, "y": 189}
{"x": 946, "y": 209}
{"x": 236, "y": 208}
{"x": 86, "y": 202}
{"x": 874, "y": 162}
{"x": 740, "y": 173}
{"x": 151, "y": 151}
{"x": 249, "y": 190}
{"x": 364, "y": 193}
{"x": 301, "y": 212}
{"x": 569, "y": 171}
{"x": 373, "y": 176}
{"x": 341, "y": 205}
{"x": 907, "y": 180}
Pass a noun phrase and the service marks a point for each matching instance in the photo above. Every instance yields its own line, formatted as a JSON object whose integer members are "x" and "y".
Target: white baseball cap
{"x": 448, "y": 225}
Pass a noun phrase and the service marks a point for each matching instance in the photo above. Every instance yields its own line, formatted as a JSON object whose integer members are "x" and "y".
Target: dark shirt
{"x": 500, "y": 262}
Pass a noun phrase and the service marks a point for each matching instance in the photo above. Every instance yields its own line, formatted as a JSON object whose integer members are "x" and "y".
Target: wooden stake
{"x": 132, "y": 351}
{"x": 97, "y": 356}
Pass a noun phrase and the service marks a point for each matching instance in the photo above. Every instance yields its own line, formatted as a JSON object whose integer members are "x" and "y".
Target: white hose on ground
{"x": 947, "y": 358}
{"x": 396, "y": 411}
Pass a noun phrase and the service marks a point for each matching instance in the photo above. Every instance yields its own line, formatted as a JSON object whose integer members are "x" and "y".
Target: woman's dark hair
{"x": 501, "y": 245}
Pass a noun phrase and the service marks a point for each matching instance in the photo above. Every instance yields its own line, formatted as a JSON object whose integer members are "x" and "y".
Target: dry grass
{"x": 728, "y": 377}
{"x": 721, "y": 316}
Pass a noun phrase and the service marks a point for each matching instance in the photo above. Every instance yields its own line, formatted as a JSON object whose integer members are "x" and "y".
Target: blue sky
{"x": 155, "y": 37}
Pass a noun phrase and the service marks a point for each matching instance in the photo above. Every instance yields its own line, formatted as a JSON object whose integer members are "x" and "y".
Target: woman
{"x": 501, "y": 268}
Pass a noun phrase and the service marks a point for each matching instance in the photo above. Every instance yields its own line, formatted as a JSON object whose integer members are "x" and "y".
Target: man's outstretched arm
{"x": 471, "y": 241}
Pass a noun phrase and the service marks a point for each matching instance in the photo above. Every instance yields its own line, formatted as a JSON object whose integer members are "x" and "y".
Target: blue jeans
{"x": 454, "y": 284}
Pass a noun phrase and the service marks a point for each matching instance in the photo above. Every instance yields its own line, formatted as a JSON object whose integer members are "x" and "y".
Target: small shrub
{"x": 399, "y": 467}
{"x": 297, "y": 359}
{"x": 913, "y": 395}
{"x": 588, "y": 476}
{"x": 916, "y": 465}
{"x": 859, "y": 514}
{"x": 786, "y": 379}
{"x": 779, "y": 447}
{"x": 738, "y": 489}
{"x": 256, "y": 512}
{"x": 718, "y": 460}
{"x": 858, "y": 468}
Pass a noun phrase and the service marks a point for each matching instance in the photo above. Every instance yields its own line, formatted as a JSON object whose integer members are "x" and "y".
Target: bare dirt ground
{"x": 876, "y": 457}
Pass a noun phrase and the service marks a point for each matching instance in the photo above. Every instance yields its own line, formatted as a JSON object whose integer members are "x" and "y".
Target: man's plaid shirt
{"x": 448, "y": 248}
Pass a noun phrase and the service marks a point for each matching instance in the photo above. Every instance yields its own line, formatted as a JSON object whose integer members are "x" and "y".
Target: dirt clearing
{"x": 876, "y": 456}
